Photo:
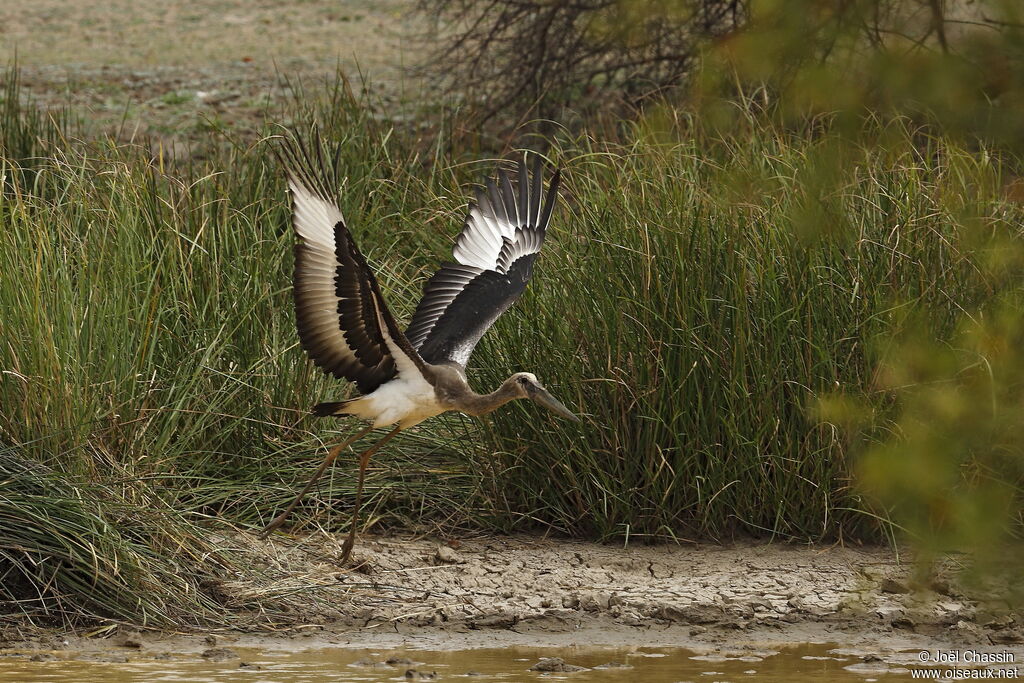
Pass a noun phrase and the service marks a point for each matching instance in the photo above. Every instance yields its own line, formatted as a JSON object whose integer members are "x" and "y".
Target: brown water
{"x": 647, "y": 665}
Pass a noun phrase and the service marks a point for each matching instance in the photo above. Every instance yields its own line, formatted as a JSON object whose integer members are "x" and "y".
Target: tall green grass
{"x": 148, "y": 314}
{"x": 704, "y": 296}
{"x": 72, "y": 549}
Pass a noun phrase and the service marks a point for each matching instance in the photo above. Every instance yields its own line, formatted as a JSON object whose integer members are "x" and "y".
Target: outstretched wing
{"x": 494, "y": 257}
{"x": 344, "y": 324}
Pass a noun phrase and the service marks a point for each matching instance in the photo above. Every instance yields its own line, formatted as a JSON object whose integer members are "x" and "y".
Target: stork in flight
{"x": 347, "y": 330}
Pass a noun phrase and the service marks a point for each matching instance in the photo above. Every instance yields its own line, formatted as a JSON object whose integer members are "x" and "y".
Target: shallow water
{"x": 650, "y": 665}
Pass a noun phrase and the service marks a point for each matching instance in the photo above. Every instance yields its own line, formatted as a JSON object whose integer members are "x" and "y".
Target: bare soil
{"x": 175, "y": 70}
{"x": 523, "y": 591}
{"x": 152, "y": 33}
{"x": 532, "y": 586}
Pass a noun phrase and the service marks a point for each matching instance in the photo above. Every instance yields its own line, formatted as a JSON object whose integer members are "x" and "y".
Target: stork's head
{"x": 527, "y": 386}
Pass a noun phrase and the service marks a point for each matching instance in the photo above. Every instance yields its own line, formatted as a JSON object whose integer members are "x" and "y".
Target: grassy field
{"x": 731, "y": 311}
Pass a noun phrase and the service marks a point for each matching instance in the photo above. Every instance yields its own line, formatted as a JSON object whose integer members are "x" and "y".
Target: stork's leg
{"x": 364, "y": 460}
{"x": 331, "y": 456}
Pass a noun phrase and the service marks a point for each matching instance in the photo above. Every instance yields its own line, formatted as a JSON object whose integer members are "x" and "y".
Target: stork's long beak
{"x": 540, "y": 395}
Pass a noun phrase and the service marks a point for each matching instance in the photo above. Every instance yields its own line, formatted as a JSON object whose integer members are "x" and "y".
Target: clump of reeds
{"x": 72, "y": 550}
{"x": 707, "y": 292}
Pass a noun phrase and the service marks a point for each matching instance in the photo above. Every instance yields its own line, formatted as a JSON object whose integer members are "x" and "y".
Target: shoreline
{"x": 526, "y": 591}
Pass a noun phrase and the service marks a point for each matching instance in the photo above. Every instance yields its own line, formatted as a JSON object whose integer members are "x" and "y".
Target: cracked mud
{"x": 530, "y": 586}
{"x": 530, "y": 592}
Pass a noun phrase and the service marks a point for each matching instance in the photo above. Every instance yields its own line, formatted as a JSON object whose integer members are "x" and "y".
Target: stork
{"x": 347, "y": 330}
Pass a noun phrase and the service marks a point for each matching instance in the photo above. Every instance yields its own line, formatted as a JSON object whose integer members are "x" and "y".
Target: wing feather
{"x": 494, "y": 255}
{"x": 343, "y": 322}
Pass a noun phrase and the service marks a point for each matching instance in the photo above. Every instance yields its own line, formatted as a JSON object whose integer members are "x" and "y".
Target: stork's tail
{"x": 332, "y": 408}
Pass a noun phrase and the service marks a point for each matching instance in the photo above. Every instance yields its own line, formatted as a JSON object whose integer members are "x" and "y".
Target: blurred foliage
{"x": 943, "y": 455}
{"x": 955, "y": 65}
{"x": 513, "y": 60}
{"x": 952, "y": 472}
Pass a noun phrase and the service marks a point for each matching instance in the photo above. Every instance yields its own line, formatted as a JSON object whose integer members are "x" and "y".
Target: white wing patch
{"x": 484, "y": 234}
{"x": 314, "y": 218}
{"x": 500, "y": 223}
{"x": 330, "y": 343}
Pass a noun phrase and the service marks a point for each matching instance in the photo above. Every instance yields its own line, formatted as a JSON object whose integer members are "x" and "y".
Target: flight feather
{"x": 494, "y": 255}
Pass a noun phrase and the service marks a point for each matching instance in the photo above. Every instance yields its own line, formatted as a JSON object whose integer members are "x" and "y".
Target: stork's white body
{"x": 406, "y": 400}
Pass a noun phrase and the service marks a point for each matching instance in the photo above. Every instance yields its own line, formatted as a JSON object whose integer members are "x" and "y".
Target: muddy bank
{"x": 527, "y": 583}
{"x": 493, "y": 592}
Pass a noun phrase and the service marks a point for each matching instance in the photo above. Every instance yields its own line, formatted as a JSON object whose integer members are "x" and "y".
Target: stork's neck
{"x": 481, "y": 404}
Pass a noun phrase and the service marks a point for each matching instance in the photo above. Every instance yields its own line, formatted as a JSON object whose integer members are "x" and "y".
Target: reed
{"x": 705, "y": 295}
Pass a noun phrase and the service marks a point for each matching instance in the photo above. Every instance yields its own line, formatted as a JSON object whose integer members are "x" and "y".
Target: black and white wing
{"x": 494, "y": 257}
{"x": 344, "y": 324}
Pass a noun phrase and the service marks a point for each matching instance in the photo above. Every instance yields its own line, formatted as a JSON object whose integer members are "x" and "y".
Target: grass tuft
{"x": 72, "y": 551}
